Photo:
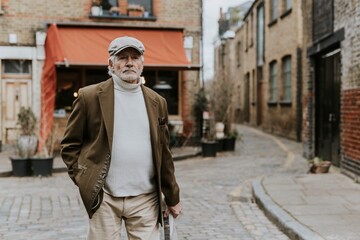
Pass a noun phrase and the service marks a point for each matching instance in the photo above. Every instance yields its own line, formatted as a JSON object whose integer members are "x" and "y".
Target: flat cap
{"x": 120, "y": 43}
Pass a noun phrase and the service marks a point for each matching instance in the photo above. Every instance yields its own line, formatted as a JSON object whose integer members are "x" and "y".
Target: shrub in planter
{"x": 25, "y": 144}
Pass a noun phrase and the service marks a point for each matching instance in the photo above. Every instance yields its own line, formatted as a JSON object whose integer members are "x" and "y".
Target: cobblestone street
{"x": 215, "y": 193}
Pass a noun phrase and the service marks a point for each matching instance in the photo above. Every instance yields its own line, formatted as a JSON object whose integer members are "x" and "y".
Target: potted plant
{"x": 26, "y": 143}
{"x": 208, "y": 142}
{"x": 204, "y": 124}
{"x": 318, "y": 165}
{"x": 230, "y": 140}
{"x": 42, "y": 162}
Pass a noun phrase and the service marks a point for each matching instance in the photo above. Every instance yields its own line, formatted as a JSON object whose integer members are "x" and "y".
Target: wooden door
{"x": 328, "y": 77}
{"x": 15, "y": 94}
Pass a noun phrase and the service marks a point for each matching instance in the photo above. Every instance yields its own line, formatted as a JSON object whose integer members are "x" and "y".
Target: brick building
{"x": 265, "y": 60}
{"x": 332, "y": 112}
{"x": 77, "y": 34}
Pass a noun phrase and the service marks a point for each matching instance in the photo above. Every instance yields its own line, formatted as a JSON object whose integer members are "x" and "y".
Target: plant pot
{"x": 209, "y": 149}
{"x": 21, "y": 167}
{"x": 323, "y": 167}
{"x": 220, "y": 144}
{"x": 42, "y": 166}
{"x": 229, "y": 144}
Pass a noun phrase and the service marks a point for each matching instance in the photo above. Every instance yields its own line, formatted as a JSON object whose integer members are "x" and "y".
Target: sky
{"x": 211, "y": 15}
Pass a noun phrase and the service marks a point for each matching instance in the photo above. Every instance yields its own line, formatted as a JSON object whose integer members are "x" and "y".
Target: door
{"x": 328, "y": 74}
{"x": 15, "y": 94}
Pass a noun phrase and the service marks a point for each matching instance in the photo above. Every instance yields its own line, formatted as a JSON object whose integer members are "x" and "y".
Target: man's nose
{"x": 129, "y": 61}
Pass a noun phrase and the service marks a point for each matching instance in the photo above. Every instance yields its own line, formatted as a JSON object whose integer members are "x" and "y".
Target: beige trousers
{"x": 140, "y": 215}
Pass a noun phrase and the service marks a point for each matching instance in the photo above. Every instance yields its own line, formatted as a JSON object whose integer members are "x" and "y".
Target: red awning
{"x": 88, "y": 46}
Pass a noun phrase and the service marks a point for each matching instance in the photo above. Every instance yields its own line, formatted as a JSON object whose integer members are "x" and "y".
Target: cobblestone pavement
{"x": 215, "y": 193}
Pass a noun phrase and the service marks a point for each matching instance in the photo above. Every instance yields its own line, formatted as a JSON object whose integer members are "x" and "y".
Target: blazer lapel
{"x": 106, "y": 99}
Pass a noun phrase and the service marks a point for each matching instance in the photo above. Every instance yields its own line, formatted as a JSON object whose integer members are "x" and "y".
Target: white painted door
{"x": 15, "y": 94}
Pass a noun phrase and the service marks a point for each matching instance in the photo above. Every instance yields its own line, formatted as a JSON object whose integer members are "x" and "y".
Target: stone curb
{"x": 64, "y": 169}
{"x": 289, "y": 225}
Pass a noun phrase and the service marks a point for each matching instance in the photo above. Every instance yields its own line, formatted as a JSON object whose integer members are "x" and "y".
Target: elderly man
{"x": 116, "y": 148}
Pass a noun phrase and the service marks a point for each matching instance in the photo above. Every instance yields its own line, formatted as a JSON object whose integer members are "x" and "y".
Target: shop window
{"x": 166, "y": 83}
{"x": 16, "y": 68}
{"x": 122, "y": 8}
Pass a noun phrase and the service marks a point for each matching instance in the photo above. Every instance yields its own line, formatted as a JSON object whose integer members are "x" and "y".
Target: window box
{"x": 134, "y": 10}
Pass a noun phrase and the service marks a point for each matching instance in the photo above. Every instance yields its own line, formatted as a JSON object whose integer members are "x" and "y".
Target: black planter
{"x": 220, "y": 144}
{"x": 209, "y": 149}
{"x": 229, "y": 144}
{"x": 42, "y": 166}
{"x": 21, "y": 166}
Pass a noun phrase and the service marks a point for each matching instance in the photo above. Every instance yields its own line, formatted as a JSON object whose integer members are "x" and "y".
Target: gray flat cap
{"x": 120, "y": 43}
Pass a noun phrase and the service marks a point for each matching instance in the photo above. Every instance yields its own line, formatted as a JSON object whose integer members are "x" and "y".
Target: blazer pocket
{"x": 81, "y": 169}
{"x": 162, "y": 133}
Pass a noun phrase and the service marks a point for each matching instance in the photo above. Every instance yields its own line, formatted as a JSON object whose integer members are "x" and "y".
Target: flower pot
{"x": 209, "y": 149}
{"x": 229, "y": 144}
{"x": 220, "y": 144}
{"x": 42, "y": 166}
{"x": 21, "y": 166}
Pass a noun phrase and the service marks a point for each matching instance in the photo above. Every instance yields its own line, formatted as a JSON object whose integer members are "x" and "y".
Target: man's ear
{"x": 110, "y": 62}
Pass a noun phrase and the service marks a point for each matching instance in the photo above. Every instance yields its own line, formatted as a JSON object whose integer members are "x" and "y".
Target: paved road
{"x": 215, "y": 194}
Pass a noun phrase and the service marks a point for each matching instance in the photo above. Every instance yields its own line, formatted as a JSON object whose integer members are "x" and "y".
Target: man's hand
{"x": 173, "y": 210}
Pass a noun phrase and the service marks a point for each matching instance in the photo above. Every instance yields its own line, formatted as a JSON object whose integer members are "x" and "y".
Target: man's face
{"x": 128, "y": 65}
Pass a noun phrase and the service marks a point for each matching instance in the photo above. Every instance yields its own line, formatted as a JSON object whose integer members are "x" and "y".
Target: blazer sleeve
{"x": 169, "y": 186}
{"x": 74, "y": 136}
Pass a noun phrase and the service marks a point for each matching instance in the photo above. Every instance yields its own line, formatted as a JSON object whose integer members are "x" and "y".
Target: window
{"x": 273, "y": 82}
{"x": 247, "y": 36}
{"x": 146, "y": 4}
{"x": 238, "y": 53}
{"x": 122, "y": 8}
{"x": 287, "y": 5}
{"x": 1, "y": 11}
{"x": 286, "y": 70}
{"x": 273, "y": 10}
{"x": 254, "y": 88}
{"x": 251, "y": 29}
{"x": 260, "y": 35}
{"x": 17, "y": 68}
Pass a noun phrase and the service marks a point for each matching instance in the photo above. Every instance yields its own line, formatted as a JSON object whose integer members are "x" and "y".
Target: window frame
{"x": 273, "y": 82}
{"x": 1, "y": 9}
{"x": 121, "y": 15}
{"x": 274, "y": 13}
{"x": 287, "y": 6}
{"x": 286, "y": 79}
{"x": 238, "y": 53}
{"x": 19, "y": 75}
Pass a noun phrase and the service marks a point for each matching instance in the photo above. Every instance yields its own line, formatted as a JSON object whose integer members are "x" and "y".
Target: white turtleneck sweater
{"x": 131, "y": 171}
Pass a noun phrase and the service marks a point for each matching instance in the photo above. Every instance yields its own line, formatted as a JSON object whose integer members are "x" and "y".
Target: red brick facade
{"x": 351, "y": 124}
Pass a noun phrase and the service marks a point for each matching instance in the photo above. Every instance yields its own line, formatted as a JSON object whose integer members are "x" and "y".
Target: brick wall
{"x": 351, "y": 124}
{"x": 346, "y": 15}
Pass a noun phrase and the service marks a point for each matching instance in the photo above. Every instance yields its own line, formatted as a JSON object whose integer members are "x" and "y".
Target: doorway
{"x": 327, "y": 113}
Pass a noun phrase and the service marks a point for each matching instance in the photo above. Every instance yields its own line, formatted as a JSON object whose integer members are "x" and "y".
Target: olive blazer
{"x": 86, "y": 146}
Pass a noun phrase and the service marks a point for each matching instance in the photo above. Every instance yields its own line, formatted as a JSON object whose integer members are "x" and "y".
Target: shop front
{"x": 76, "y": 56}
